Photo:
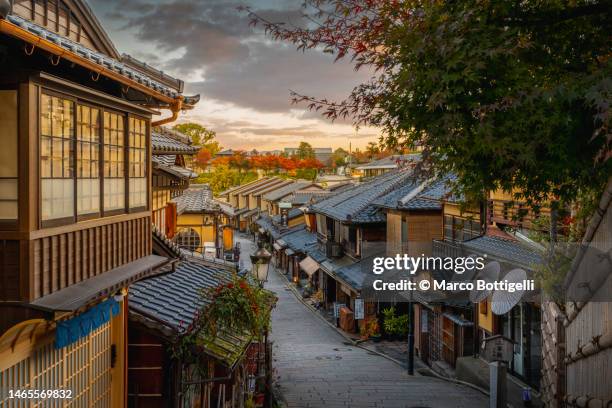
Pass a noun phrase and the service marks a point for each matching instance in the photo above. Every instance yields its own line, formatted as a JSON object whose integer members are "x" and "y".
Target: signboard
{"x": 498, "y": 348}
{"x": 359, "y": 309}
{"x": 285, "y": 205}
{"x": 424, "y": 325}
{"x": 337, "y": 307}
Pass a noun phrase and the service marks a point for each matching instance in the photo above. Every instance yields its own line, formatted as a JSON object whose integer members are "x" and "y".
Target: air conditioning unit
{"x": 333, "y": 250}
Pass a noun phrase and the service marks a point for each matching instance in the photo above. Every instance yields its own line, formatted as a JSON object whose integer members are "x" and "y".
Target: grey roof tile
{"x": 300, "y": 240}
{"x": 291, "y": 214}
{"x": 394, "y": 161}
{"x": 175, "y": 297}
{"x": 286, "y": 190}
{"x": 196, "y": 200}
{"x": 357, "y": 203}
{"x": 93, "y": 56}
{"x": 512, "y": 252}
{"x": 165, "y": 142}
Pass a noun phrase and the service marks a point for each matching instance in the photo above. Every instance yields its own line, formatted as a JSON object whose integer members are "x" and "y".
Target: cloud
{"x": 244, "y": 77}
{"x": 235, "y": 62}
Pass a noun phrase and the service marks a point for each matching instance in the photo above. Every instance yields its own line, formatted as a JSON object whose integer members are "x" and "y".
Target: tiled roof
{"x": 163, "y": 244}
{"x": 356, "y": 274}
{"x": 357, "y": 203}
{"x": 164, "y": 142}
{"x": 430, "y": 198}
{"x": 391, "y": 199}
{"x": 286, "y": 190}
{"x": 271, "y": 188}
{"x": 308, "y": 197}
{"x": 291, "y": 214}
{"x": 300, "y": 240}
{"x": 275, "y": 230}
{"x": 316, "y": 254}
{"x": 264, "y": 185}
{"x": 195, "y": 200}
{"x": 441, "y": 189}
{"x": 174, "y": 298}
{"x": 390, "y": 162}
{"x": 177, "y": 171}
{"x": 225, "y": 208}
{"x": 164, "y": 159}
{"x": 512, "y": 252}
{"x": 419, "y": 203}
{"x": 249, "y": 186}
{"x": 102, "y": 60}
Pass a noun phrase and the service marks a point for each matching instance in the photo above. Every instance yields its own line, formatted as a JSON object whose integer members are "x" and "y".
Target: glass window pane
{"x": 57, "y": 157}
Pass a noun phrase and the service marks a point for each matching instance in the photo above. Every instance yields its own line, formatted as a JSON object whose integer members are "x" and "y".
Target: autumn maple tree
{"x": 505, "y": 94}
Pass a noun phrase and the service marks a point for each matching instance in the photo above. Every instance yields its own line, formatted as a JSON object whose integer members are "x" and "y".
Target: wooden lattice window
{"x": 83, "y": 367}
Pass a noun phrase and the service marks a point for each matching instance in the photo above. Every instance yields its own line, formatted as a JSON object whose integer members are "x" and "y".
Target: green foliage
{"x": 306, "y": 174}
{"x": 339, "y": 157}
{"x": 239, "y": 306}
{"x": 395, "y": 325}
{"x": 505, "y": 94}
{"x": 199, "y": 135}
{"x": 305, "y": 151}
{"x": 221, "y": 178}
{"x": 508, "y": 95}
{"x": 236, "y": 306}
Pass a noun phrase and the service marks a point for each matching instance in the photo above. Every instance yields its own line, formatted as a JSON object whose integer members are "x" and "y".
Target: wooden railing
{"x": 61, "y": 257}
{"x": 515, "y": 213}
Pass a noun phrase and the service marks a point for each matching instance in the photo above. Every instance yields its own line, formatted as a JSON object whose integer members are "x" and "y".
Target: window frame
{"x": 102, "y": 108}
{"x": 56, "y": 222}
{"x": 117, "y": 211}
{"x": 13, "y": 224}
{"x": 99, "y": 214}
{"x": 147, "y": 169}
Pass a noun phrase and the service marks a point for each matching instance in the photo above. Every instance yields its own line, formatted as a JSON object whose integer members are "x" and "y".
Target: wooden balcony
{"x": 516, "y": 214}
{"x": 45, "y": 261}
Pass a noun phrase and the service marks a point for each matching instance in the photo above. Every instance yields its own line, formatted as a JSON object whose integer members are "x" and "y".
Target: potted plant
{"x": 396, "y": 327}
{"x": 374, "y": 330}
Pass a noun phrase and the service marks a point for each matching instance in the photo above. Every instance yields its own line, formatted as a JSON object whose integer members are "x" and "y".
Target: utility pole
{"x": 411, "y": 331}
{"x": 411, "y": 337}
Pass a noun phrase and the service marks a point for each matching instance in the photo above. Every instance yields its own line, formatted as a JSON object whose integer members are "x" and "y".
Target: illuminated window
{"x": 56, "y": 152}
{"x": 137, "y": 163}
{"x": 88, "y": 160}
{"x": 188, "y": 239}
{"x": 8, "y": 155}
{"x": 114, "y": 162}
{"x": 86, "y": 153}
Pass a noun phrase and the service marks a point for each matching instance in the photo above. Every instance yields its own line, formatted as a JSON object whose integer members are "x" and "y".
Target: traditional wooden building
{"x": 75, "y": 206}
{"x": 350, "y": 230}
{"x": 385, "y": 165}
{"x": 422, "y": 217}
{"x": 577, "y": 334}
{"x": 171, "y": 177}
{"x": 271, "y": 202}
{"x": 200, "y": 222}
{"x": 157, "y": 377}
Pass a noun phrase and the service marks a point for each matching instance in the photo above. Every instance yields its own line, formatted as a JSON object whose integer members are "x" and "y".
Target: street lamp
{"x": 261, "y": 263}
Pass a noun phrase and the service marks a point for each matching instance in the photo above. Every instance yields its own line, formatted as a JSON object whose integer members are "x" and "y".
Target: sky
{"x": 243, "y": 76}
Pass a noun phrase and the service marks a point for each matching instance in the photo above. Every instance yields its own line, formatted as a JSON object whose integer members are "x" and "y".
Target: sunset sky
{"x": 244, "y": 78}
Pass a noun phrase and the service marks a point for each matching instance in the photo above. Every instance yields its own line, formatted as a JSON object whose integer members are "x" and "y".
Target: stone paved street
{"x": 315, "y": 368}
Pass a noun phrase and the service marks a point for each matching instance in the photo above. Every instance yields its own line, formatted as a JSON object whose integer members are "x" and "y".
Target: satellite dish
{"x": 503, "y": 301}
{"x": 489, "y": 274}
